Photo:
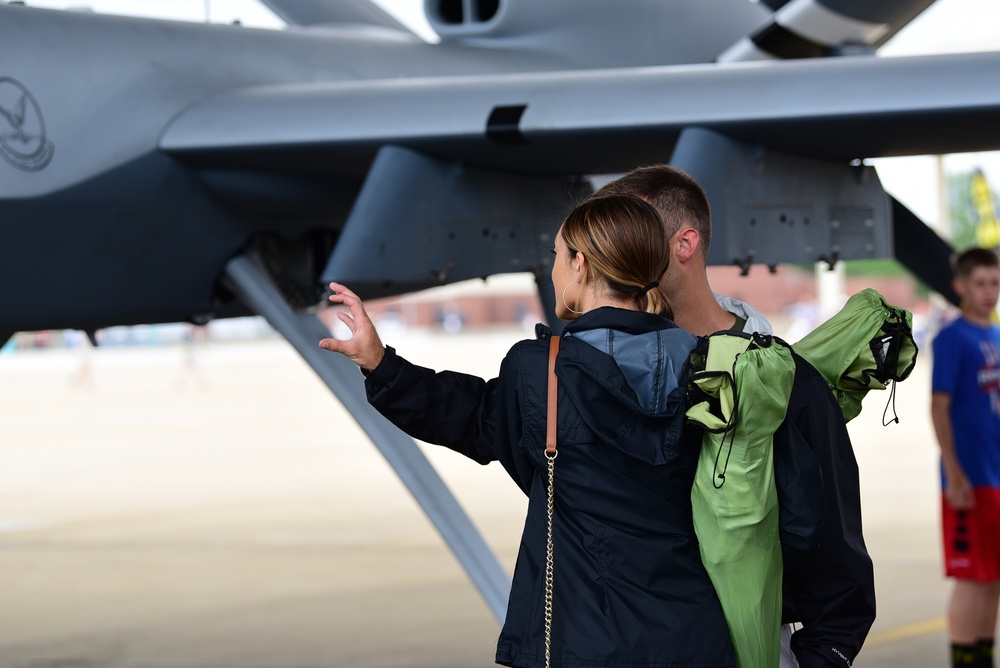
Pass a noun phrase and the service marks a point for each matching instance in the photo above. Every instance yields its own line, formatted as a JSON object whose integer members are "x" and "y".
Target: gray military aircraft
{"x": 155, "y": 171}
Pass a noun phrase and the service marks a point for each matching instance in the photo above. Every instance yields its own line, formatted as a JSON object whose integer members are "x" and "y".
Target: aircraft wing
{"x": 604, "y": 121}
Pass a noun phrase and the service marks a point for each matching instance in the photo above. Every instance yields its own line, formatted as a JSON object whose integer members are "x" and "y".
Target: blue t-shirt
{"x": 967, "y": 368}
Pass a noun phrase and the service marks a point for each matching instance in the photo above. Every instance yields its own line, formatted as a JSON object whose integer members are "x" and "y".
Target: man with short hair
{"x": 687, "y": 217}
{"x": 830, "y": 589}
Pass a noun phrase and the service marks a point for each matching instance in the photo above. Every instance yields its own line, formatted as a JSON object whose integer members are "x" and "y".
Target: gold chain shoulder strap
{"x": 550, "y": 455}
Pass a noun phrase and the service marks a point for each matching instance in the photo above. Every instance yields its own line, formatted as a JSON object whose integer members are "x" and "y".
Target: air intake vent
{"x": 451, "y": 12}
{"x": 458, "y": 12}
{"x": 487, "y": 9}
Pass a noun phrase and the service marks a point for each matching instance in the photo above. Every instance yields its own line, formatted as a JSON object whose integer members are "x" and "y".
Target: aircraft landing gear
{"x": 247, "y": 278}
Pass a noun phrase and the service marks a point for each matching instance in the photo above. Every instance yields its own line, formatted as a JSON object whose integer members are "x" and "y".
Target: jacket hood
{"x": 625, "y": 372}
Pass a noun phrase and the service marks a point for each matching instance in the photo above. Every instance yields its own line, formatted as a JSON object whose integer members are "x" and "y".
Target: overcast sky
{"x": 947, "y": 26}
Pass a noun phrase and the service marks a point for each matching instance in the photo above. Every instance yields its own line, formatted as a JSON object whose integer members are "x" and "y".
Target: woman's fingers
{"x": 349, "y": 321}
{"x": 342, "y": 295}
{"x": 339, "y": 289}
{"x": 332, "y": 345}
{"x": 364, "y": 348}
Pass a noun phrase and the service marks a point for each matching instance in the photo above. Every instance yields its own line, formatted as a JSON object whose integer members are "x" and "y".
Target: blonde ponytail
{"x": 623, "y": 239}
{"x": 656, "y": 302}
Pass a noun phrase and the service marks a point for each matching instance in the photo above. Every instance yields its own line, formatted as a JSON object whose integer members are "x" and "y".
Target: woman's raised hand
{"x": 364, "y": 348}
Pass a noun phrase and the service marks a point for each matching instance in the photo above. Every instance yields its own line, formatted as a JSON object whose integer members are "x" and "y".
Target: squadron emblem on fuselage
{"x": 22, "y": 130}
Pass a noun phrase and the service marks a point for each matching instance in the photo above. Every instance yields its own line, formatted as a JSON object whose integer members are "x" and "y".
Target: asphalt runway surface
{"x": 214, "y": 506}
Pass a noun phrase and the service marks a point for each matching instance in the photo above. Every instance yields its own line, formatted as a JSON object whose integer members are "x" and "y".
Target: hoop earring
{"x": 570, "y": 308}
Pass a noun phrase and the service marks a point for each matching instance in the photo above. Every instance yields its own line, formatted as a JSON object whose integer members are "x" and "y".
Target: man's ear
{"x": 686, "y": 243}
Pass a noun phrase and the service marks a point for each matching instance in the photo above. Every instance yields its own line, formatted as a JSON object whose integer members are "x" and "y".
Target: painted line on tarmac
{"x": 906, "y": 631}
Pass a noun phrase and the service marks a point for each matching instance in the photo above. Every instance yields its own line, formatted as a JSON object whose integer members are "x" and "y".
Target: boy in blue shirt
{"x": 965, "y": 410}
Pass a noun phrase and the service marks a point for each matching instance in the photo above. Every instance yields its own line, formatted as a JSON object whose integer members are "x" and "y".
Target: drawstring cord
{"x": 731, "y": 433}
{"x": 892, "y": 400}
{"x": 722, "y": 476}
{"x": 891, "y": 361}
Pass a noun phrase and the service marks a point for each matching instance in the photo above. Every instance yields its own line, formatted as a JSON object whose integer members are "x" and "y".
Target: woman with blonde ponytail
{"x": 619, "y": 246}
{"x": 608, "y": 573}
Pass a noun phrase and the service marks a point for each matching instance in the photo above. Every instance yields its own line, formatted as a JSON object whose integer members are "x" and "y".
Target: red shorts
{"x": 972, "y": 537}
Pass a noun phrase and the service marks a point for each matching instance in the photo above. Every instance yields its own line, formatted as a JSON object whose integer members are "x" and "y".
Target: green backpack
{"x": 867, "y": 344}
{"x": 740, "y": 396}
{"x": 739, "y": 386}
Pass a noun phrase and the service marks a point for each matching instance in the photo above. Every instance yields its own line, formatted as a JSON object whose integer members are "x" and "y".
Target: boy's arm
{"x": 957, "y": 488}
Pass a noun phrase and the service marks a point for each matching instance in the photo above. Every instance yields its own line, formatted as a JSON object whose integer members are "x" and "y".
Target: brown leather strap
{"x": 550, "y": 416}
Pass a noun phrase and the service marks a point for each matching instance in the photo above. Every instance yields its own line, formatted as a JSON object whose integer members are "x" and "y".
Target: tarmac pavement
{"x": 167, "y": 507}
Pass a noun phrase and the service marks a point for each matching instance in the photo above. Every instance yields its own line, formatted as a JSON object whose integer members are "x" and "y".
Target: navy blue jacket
{"x": 630, "y": 589}
{"x": 830, "y": 590}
